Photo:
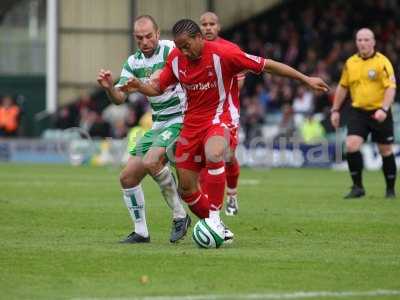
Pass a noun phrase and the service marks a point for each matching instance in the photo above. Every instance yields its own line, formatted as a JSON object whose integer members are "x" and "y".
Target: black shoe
{"x": 355, "y": 192}
{"x": 390, "y": 194}
{"x": 179, "y": 228}
{"x": 232, "y": 207}
{"x": 134, "y": 238}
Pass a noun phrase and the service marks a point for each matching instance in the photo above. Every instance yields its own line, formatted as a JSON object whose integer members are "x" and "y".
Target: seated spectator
{"x": 311, "y": 130}
{"x": 67, "y": 117}
{"x": 253, "y": 118}
{"x": 96, "y": 126}
{"x": 9, "y": 117}
{"x": 117, "y": 116}
{"x": 303, "y": 103}
{"x": 286, "y": 128}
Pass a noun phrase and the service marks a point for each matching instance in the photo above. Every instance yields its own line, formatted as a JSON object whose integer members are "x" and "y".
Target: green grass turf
{"x": 59, "y": 228}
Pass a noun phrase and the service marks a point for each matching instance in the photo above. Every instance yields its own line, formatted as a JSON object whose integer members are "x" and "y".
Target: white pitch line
{"x": 249, "y": 182}
{"x": 268, "y": 296}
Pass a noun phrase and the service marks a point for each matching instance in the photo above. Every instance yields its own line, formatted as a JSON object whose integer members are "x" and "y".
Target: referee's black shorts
{"x": 362, "y": 123}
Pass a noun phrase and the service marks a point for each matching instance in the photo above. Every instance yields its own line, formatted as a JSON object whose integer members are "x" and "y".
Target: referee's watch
{"x": 384, "y": 109}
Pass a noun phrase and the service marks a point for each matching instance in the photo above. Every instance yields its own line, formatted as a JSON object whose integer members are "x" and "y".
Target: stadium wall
{"x": 114, "y": 152}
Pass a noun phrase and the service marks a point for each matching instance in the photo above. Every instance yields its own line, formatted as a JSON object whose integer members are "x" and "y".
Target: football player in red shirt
{"x": 206, "y": 71}
{"x": 210, "y": 27}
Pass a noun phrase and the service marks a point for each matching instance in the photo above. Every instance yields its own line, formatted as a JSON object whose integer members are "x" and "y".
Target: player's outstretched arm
{"x": 106, "y": 81}
{"x": 315, "y": 83}
{"x": 151, "y": 88}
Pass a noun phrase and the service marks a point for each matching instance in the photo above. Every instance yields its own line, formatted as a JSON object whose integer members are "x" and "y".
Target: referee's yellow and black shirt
{"x": 367, "y": 80}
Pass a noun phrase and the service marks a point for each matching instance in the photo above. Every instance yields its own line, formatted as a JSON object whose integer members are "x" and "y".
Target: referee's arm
{"x": 388, "y": 98}
{"x": 340, "y": 96}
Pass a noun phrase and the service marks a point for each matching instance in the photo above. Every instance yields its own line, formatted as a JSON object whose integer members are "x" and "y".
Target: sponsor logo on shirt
{"x": 201, "y": 86}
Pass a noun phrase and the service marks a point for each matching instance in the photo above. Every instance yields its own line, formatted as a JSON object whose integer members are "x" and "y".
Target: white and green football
{"x": 205, "y": 237}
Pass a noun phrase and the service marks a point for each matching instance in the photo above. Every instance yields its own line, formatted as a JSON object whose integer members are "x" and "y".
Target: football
{"x": 205, "y": 237}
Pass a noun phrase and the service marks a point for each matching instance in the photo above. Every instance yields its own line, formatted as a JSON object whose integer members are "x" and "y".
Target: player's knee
{"x": 215, "y": 157}
{"x": 153, "y": 166}
{"x": 216, "y": 149}
{"x": 127, "y": 180}
{"x": 154, "y": 161}
{"x": 215, "y": 154}
{"x": 352, "y": 145}
{"x": 385, "y": 150}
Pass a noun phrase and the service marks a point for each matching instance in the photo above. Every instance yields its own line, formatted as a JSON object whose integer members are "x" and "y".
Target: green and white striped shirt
{"x": 167, "y": 109}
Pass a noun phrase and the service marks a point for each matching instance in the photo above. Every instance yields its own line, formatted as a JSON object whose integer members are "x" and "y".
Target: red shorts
{"x": 190, "y": 146}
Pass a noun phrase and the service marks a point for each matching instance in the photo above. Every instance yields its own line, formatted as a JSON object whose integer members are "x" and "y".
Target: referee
{"x": 370, "y": 78}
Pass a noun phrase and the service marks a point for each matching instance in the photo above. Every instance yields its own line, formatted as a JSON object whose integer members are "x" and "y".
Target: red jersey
{"x": 208, "y": 81}
{"x": 233, "y": 97}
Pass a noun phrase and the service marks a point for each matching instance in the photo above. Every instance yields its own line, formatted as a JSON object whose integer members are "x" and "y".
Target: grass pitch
{"x": 59, "y": 228}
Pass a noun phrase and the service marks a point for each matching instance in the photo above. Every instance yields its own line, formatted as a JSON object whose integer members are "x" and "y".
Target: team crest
{"x": 148, "y": 72}
{"x": 372, "y": 74}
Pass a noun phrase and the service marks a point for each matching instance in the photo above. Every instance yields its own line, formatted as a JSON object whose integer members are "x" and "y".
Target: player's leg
{"x": 356, "y": 165}
{"x": 215, "y": 149}
{"x": 357, "y": 132}
{"x": 189, "y": 160}
{"x": 156, "y": 164}
{"x": 232, "y": 177}
{"x": 389, "y": 168}
{"x": 383, "y": 135}
{"x": 133, "y": 196}
{"x": 189, "y": 191}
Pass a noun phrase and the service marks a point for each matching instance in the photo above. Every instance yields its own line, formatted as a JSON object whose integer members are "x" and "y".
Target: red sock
{"x": 198, "y": 204}
{"x": 215, "y": 184}
{"x": 232, "y": 173}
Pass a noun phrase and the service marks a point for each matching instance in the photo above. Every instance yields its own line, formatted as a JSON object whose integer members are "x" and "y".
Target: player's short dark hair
{"x": 148, "y": 17}
{"x": 187, "y": 26}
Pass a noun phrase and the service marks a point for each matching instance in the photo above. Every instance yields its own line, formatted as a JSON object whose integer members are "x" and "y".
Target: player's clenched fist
{"x": 105, "y": 79}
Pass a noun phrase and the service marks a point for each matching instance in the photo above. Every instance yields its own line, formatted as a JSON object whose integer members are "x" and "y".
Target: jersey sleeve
{"x": 238, "y": 61}
{"x": 126, "y": 73}
{"x": 169, "y": 44}
{"x": 168, "y": 47}
{"x": 344, "y": 78}
{"x": 167, "y": 76}
{"x": 388, "y": 77}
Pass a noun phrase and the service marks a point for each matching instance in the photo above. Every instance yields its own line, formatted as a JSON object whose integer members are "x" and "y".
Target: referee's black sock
{"x": 389, "y": 170}
{"x": 355, "y": 161}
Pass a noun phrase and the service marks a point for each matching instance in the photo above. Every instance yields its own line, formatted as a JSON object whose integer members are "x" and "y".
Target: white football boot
{"x": 228, "y": 234}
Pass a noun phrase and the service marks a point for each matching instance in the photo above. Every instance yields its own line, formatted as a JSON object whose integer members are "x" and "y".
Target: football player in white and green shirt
{"x": 149, "y": 154}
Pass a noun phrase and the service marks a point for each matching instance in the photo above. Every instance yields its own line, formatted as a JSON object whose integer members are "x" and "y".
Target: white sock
{"x": 170, "y": 193}
{"x": 214, "y": 216}
{"x": 134, "y": 200}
